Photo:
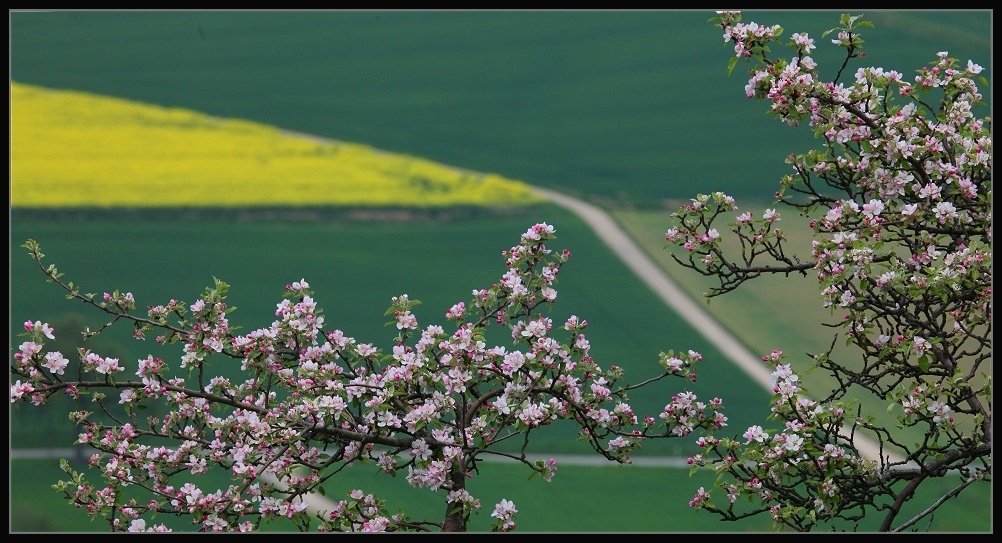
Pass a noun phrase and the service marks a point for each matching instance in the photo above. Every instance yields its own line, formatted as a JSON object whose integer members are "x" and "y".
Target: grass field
{"x": 156, "y": 255}
{"x": 618, "y": 105}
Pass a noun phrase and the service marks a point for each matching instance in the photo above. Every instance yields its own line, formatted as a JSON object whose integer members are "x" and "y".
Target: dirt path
{"x": 609, "y": 231}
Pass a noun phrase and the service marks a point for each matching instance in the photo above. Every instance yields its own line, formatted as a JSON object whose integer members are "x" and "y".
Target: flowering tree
{"x": 312, "y": 401}
{"x": 900, "y": 196}
{"x": 899, "y": 200}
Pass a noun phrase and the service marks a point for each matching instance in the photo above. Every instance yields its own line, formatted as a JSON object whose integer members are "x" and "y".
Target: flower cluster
{"x": 898, "y": 199}
{"x": 311, "y": 400}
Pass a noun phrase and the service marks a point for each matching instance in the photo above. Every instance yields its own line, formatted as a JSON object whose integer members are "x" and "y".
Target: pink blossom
{"x": 18, "y": 390}
{"x": 755, "y": 433}
{"x": 55, "y": 362}
{"x": 456, "y": 311}
{"x": 505, "y": 511}
{"x": 40, "y": 328}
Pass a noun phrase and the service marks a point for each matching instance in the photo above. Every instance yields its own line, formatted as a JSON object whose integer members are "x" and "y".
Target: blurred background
{"x": 630, "y": 110}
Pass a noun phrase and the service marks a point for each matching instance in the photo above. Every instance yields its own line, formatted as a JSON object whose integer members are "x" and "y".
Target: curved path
{"x": 609, "y": 231}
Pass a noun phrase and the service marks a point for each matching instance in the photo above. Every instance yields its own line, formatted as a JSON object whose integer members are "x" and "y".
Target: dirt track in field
{"x": 609, "y": 231}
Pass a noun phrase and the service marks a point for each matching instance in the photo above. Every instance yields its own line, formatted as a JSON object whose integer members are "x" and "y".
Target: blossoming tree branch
{"x": 315, "y": 401}
{"x": 899, "y": 200}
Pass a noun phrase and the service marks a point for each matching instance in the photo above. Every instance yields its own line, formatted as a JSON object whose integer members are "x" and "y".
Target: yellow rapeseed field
{"x": 73, "y": 149}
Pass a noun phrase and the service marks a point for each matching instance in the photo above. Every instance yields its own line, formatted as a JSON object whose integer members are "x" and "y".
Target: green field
{"x": 618, "y": 105}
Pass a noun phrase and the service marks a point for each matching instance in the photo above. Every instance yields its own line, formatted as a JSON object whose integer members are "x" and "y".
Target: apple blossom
{"x": 311, "y": 401}
{"x": 899, "y": 200}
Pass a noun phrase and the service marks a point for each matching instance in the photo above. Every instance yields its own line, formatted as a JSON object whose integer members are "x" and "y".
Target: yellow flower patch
{"x": 73, "y": 149}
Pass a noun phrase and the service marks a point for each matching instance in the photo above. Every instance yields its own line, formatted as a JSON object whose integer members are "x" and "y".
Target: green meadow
{"x": 622, "y": 106}
{"x": 632, "y": 110}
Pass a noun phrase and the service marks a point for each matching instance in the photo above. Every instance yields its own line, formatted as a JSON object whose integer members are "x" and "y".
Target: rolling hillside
{"x": 623, "y": 106}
